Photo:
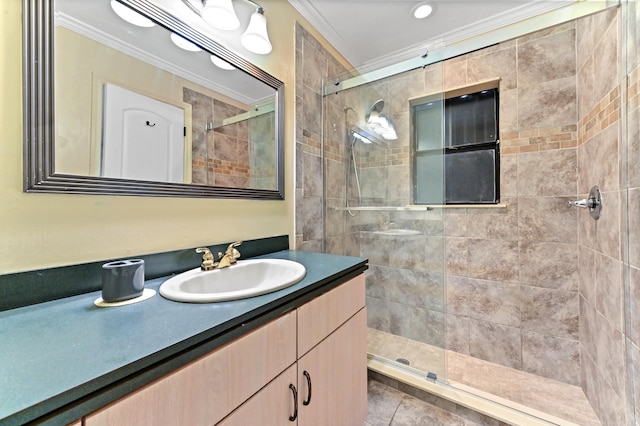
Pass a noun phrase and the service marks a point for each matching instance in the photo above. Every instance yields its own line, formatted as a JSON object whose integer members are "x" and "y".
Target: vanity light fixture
{"x": 183, "y": 43}
{"x": 222, "y": 64}
{"x": 130, "y": 15}
{"x": 220, "y": 14}
{"x": 422, "y": 10}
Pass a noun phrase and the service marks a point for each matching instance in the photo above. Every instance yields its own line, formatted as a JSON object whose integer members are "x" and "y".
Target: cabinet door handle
{"x": 308, "y": 377}
{"x": 295, "y": 403}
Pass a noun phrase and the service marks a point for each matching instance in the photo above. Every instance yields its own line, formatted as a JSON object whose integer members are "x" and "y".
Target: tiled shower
{"x": 533, "y": 285}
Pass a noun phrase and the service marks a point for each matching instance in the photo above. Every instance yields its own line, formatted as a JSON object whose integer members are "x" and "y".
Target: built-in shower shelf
{"x": 422, "y": 207}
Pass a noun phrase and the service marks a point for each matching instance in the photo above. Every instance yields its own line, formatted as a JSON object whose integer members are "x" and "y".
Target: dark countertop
{"x": 62, "y": 359}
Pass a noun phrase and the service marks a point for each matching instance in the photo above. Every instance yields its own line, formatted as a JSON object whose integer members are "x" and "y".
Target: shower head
{"x": 358, "y": 133}
{"x": 375, "y": 108}
{"x": 378, "y": 123}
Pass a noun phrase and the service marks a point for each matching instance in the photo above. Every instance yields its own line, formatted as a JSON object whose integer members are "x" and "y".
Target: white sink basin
{"x": 247, "y": 278}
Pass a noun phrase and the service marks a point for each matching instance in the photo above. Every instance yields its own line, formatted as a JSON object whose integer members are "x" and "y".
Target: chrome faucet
{"x": 230, "y": 257}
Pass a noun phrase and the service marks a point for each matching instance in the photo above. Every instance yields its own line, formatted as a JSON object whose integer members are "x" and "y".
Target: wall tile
{"x": 457, "y": 333}
{"x": 610, "y": 357}
{"x": 378, "y": 314}
{"x": 589, "y": 380}
{"x": 312, "y": 183}
{"x": 551, "y": 312}
{"x": 635, "y": 380}
{"x": 588, "y": 328}
{"x": 607, "y": 228}
{"x": 550, "y": 265}
{"x": 499, "y": 63}
{"x": 456, "y": 223}
{"x": 547, "y": 58}
{"x": 548, "y": 104}
{"x": 598, "y": 162}
{"x": 586, "y": 92}
{"x": 416, "y": 323}
{"x": 482, "y": 260}
{"x": 410, "y": 84}
{"x": 609, "y": 293}
{"x": 587, "y": 273}
{"x": 434, "y": 78}
{"x": 508, "y": 110}
{"x": 455, "y": 73}
{"x": 547, "y": 219}
{"x": 497, "y": 224}
{"x": 314, "y": 65}
{"x": 408, "y": 287}
{"x": 634, "y": 304}
{"x": 495, "y": 343}
{"x": 634, "y": 227}
{"x": 334, "y": 245}
{"x": 633, "y": 141}
{"x": 508, "y": 176}
{"x": 334, "y": 219}
{"x": 606, "y": 60}
{"x": 547, "y": 173}
{"x": 456, "y": 255}
{"x": 335, "y": 179}
{"x": 551, "y": 357}
{"x": 483, "y": 300}
{"x": 311, "y": 217}
{"x": 312, "y": 111}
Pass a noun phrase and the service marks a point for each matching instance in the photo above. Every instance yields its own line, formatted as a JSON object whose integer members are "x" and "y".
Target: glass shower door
{"x": 369, "y": 212}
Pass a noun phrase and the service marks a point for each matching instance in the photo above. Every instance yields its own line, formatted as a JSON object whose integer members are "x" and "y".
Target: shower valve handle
{"x": 584, "y": 203}
{"x": 593, "y": 203}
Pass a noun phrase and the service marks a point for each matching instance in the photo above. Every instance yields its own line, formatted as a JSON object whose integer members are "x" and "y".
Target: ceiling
{"x": 371, "y": 34}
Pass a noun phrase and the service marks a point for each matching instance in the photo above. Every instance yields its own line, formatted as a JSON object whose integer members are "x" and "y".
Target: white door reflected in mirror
{"x": 143, "y": 138}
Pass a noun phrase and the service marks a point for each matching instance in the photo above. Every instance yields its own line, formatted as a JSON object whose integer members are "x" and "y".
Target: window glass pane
{"x": 429, "y": 179}
{"x": 471, "y": 176}
{"x": 428, "y": 125}
{"x": 471, "y": 119}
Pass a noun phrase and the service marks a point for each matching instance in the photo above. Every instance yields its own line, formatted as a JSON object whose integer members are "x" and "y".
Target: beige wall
{"x": 45, "y": 230}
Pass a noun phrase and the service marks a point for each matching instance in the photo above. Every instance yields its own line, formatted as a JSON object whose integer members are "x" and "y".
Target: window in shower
{"x": 456, "y": 150}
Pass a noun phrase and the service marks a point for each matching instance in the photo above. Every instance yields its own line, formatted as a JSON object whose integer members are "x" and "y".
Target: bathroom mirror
{"x": 190, "y": 128}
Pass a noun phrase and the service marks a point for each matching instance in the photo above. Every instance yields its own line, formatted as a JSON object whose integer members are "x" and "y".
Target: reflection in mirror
{"x": 136, "y": 114}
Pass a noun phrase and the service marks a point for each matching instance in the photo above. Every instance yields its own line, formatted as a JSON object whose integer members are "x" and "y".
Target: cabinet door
{"x": 337, "y": 370}
{"x": 318, "y": 318}
{"x": 205, "y": 391}
{"x": 274, "y": 405}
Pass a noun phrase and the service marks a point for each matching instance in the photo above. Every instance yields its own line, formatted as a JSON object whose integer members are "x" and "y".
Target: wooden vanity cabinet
{"x": 252, "y": 380}
{"x": 206, "y": 390}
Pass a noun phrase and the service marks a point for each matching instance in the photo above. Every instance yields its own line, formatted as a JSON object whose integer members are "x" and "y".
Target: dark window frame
{"x": 483, "y": 151}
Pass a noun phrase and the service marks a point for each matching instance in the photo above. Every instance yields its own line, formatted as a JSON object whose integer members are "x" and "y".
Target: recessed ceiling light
{"x": 422, "y": 10}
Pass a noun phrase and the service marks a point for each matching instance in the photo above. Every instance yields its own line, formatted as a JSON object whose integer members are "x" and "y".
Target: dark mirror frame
{"x": 38, "y": 110}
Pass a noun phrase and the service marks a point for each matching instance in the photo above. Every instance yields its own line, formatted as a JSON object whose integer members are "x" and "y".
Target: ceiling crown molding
{"x": 349, "y": 51}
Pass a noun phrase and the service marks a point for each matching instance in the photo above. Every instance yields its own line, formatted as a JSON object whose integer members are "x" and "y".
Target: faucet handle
{"x": 207, "y": 259}
{"x": 231, "y": 250}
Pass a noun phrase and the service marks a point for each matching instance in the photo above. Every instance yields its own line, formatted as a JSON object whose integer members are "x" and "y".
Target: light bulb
{"x": 220, "y": 14}
{"x": 220, "y": 63}
{"x": 183, "y": 43}
{"x": 255, "y": 39}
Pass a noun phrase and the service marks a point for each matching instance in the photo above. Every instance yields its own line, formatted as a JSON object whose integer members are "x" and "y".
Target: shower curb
{"x": 497, "y": 408}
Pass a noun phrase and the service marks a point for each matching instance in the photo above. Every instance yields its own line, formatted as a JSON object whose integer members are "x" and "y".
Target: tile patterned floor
{"x": 391, "y": 407}
{"x": 558, "y": 399}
